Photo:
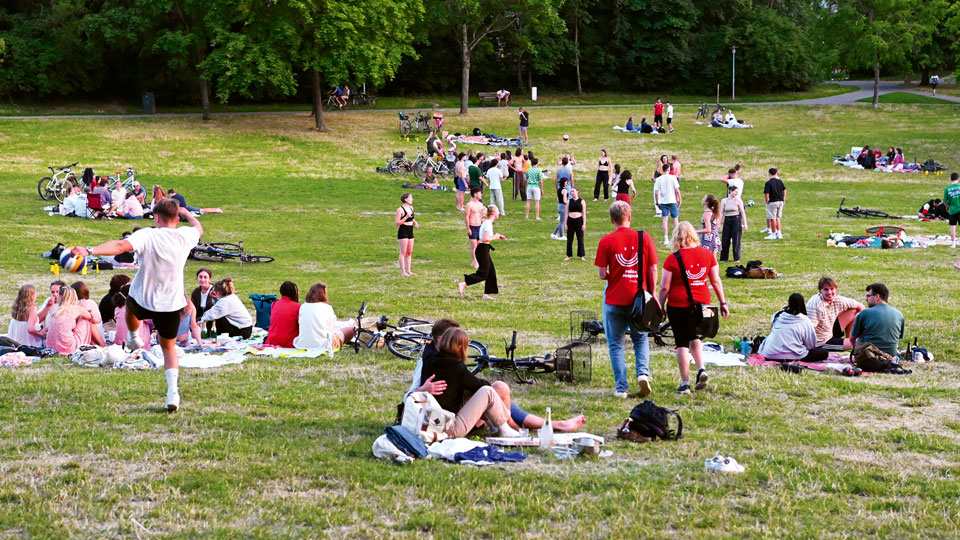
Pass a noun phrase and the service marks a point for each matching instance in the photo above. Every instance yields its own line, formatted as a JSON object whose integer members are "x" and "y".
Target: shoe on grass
{"x": 621, "y": 395}
{"x": 173, "y": 402}
{"x": 723, "y": 464}
{"x": 702, "y": 378}
{"x": 771, "y": 236}
{"x": 683, "y": 389}
{"x": 765, "y": 230}
{"x": 643, "y": 382}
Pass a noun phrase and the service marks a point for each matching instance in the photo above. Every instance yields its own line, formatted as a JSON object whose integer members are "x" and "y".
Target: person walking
{"x": 626, "y": 259}
{"x": 534, "y": 178}
{"x": 406, "y": 221}
{"x": 524, "y": 124}
{"x": 486, "y": 272}
{"x": 951, "y": 198}
{"x": 519, "y": 180}
{"x": 775, "y": 195}
{"x": 624, "y": 186}
{"x": 156, "y": 292}
{"x": 667, "y": 192}
{"x": 711, "y": 222}
{"x": 473, "y": 219}
{"x": 657, "y": 171}
{"x": 603, "y": 177}
{"x": 670, "y": 119}
{"x": 494, "y": 176}
{"x": 734, "y": 223}
{"x": 686, "y": 274}
{"x": 575, "y": 223}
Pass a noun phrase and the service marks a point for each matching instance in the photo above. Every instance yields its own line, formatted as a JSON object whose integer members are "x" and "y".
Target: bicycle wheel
{"x": 536, "y": 365}
{"x": 476, "y": 352}
{"x": 394, "y": 167}
{"x": 245, "y": 258}
{"x": 875, "y": 213}
{"x": 405, "y": 128}
{"x": 60, "y": 190}
{"x": 420, "y": 168}
{"x": 206, "y": 255}
{"x": 407, "y": 346}
{"x": 43, "y": 187}
{"x": 230, "y": 250}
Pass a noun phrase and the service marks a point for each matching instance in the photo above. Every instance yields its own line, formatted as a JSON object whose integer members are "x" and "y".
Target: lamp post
{"x": 733, "y": 85}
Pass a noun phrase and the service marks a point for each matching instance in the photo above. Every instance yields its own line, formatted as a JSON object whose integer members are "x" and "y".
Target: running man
{"x": 156, "y": 292}
{"x": 473, "y": 220}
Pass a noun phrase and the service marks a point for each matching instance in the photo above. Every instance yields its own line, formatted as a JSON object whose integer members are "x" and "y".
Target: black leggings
{"x": 603, "y": 177}
{"x": 817, "y": 354}
{"x": 732, "y": 230}
{"x": 485, "y": 272}
{"x": 575, "y": 227}
{"x": 224, "y": 327}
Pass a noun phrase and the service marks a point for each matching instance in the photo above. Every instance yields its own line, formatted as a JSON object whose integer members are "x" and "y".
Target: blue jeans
{"x": 561, "y": 208}
{"x": 616, "y": 323}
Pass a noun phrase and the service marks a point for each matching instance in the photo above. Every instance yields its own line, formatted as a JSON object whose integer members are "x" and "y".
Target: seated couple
{"x": 442, "y": 371}
{"x": 730, "y": 121}
{"x": 807, "y": 332}
{"x": 643, "y": 127}
{"x": 311, "y": 325}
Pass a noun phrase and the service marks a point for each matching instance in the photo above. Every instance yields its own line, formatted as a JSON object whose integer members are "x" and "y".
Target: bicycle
{"x": 858, "y": 212}
{"x": 400, "y": 165}
{"x": 703, "y": 111}
{"x": 57, "y": 185}
{"x": 440, "y": 168}
{"x": 126, "y": 183}
{"x": 363, "y": 98}
{"x": 533, "y": 365}
{"x": 405, "y": 340}
{"x": 221, "y": 251}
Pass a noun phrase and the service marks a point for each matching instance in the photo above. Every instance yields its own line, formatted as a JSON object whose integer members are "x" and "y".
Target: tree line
{"x": 188, "y": 51}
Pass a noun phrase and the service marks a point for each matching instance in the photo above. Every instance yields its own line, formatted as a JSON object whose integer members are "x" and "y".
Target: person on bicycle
{"x": 157, "y": 289}
{"x": 337, "y": 94}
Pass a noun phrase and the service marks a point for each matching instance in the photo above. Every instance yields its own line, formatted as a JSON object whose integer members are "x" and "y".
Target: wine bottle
{"x": 546, "y": 432}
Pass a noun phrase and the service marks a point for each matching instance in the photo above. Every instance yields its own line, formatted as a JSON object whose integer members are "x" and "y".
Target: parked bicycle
{"x": 57, "y": 186}
{"x": 440, "y": 168}
{"x": 363, "y": 98}
{"x": 221, "y": 251}
{"x": 400, "y": 165}
{"x": 405, "y": 340}
{"x": 703, "y": 111}
{"x": 126, "y": 183}
{"x": 858, "y": 212}
{"x": 523, "y": 368}
{"x": 420, "y": 122}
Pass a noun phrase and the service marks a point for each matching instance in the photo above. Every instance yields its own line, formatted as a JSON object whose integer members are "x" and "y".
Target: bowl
{"x": 588, "y": 447}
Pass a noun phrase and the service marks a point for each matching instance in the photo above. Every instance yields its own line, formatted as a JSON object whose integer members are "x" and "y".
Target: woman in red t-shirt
{"x": 700, "y": 266}
{"x": 285, "y": 317}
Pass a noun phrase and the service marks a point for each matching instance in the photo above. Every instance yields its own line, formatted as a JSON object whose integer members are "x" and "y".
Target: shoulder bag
{"x": 705, "y": 318}
{"x": 647, "y": 314}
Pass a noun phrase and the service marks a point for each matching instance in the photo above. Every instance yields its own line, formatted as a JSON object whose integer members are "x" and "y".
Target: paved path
{"x": 864, "y": 89}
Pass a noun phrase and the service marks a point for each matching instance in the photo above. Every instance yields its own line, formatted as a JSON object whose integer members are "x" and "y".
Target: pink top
{"x": 121, "y": 336}
{"x": 898, "y": 159}
{"x": 85, "y": 327}
{"x": 131, "y": 207}
{"x": 62, "y": 330}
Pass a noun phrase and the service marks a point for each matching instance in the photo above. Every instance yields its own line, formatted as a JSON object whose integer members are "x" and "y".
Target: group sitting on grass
{"x": 94, "y": 199}
{"x": 727, "y": 121}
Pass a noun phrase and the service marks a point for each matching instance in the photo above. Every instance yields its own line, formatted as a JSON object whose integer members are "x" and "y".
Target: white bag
{"x": 424, "y": 416}
{"x": 384, "y": 449}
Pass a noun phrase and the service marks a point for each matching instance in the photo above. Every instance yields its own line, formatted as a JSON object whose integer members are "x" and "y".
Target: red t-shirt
{"x": 658, "y": 108}
{"x": 617, "y": 252}
{"x": 698, "y": 261}
{"x": 284, "y": 323}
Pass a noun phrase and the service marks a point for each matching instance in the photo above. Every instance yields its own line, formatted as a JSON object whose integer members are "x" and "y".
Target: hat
{"x": 136, "y": 182}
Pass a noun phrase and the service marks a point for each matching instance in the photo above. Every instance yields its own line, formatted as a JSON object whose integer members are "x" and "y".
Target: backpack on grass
{"x": 650, "y": 420}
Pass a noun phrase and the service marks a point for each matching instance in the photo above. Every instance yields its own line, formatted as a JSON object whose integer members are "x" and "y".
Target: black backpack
{"x": 651, "y": 420}
{"x": 737, "y": 271}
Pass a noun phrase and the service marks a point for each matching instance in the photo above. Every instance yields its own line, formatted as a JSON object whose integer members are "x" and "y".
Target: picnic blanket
{"x": 720, "y": 359}
{"x": 621, "y": 128}
{"x": 408, "y": 185}
{"x": 489, "y": 139}
{"x": 282, "y": 352}
{"x": 844, "y": 240}
{"x": 836, "y": 361}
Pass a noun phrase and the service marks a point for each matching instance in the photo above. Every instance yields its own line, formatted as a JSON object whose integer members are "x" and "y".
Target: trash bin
{"x": 263, "y": 303}
{"x": 149, "y": 105}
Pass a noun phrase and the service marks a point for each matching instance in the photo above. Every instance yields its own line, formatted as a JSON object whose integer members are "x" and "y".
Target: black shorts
{"x": 166, "y": 323}
{"x": 954, "y": 219}
{"x": 669, "y": 120}
{"x": 404, "y": 231}
{"x": 684, "y": 331}
{"x": 474, "y": 232}
{"x": 658, "y": 119}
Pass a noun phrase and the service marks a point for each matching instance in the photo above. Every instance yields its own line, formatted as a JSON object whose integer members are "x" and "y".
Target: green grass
{"x": 281, "y": 448}
{"x": 907, "y": 98}
{"x": 519, "y": 98}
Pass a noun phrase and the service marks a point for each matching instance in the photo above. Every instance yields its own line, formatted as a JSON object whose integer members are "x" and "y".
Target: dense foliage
{"x": 188, "y": 50}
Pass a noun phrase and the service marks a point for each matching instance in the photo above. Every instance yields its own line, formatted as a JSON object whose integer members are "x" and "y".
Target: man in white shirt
{"x": 669, "y": 117}
{"x": 503, "y": 95}
{"x": 157, "y": 290}
{"x": 666, "y": 190}
{"x": 495, "y": 176}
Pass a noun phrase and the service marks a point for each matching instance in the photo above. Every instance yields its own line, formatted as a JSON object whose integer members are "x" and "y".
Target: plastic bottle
{"x": 546, "y": 432}
{"x": 745, "y": 347}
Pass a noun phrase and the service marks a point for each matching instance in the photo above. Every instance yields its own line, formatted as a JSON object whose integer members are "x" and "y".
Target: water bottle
{"x": 745, "y": 348}
{"x": 546, "y": 432}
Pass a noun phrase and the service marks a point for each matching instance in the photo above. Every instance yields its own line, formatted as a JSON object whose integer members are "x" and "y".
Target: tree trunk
{"x": 576, "y": 51}
{"x": 465, "y": 72}
{"x": 876, "y": 82}
{"x": 925, "y": 77}
{"x": 519, "y": 72}
{"x": 317, "y": 101}
{"x": 530, "y": 77}
{"x": 204, "y": 99}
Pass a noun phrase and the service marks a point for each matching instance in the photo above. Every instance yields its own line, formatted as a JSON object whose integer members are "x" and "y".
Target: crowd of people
{"x": 92, "y": 197}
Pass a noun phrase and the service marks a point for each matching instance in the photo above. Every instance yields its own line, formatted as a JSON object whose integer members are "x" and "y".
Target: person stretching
{"x": 575, "y": 223}
{"x": 157, "y": 289}
{"x": 485, "y": 270}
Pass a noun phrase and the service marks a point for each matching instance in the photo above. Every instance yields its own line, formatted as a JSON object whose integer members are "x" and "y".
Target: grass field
{"x": 281, "y": 448}
{"x": 907, "y": 98}
{"x": 519, "y": 98}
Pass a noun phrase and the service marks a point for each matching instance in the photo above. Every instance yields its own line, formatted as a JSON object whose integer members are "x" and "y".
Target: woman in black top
{"x": 603, "y": 176}
{"x": 449, "y": 365}
{"x": 575, "y": 223}
{"x": 201, "y": 296}
{"x": 405, "y": 222}
{"x": 624, "y": 186}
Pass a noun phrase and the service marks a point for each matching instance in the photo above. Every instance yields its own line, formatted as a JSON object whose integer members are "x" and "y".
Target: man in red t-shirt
{"x": 658, "y": 114}
{"x": 618, "y": 263}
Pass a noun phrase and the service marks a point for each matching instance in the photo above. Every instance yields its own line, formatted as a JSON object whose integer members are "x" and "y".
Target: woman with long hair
{"x": 405, "y": 220}
{"x": 603, "y": 176}
{"x": 189, "y": 327}
{"x": 710, "y": 224}
{"x": 792, "y": 335}
{"x": 106, "y": 303}
{"x": 700, "y": 267}
{"x": 202, "y": 297}
{"x": 624, "y": 186}
{"x": 575, "y": 223}
{"x": 88, "y": 332}
{"x": 24, "y": 324}
{"x": 284, "y": 317}
{"x": 231, "y": 315}
{"x": 468, "y": 397}
{"x": 61, "y": 333}
{"x": 486, "y": 272}
{"x": 318, "y": 325}
{"x": 734, "y": 223}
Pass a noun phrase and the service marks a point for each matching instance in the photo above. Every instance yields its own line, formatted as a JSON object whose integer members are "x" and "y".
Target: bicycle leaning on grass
{"x": 221, "y": 251}
{"x": 57, "y": 186}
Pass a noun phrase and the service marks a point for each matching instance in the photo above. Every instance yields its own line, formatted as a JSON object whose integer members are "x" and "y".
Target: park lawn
{"x": 450, "y": 101}
{"x": 907, "y": 98}
{"x": 281, "y": 448}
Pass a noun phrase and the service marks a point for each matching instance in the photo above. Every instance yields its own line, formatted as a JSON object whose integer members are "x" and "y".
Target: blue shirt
{"x": 881, "y": 325}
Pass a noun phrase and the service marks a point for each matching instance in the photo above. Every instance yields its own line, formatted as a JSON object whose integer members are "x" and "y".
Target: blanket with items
{"x": 862, "y": 157}
{"x": 753, "y": 270}
{"x": 886, "y": 237}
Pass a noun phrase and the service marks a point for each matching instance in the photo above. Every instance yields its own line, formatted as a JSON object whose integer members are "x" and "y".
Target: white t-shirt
{"x": 502, "y": 93}
{"x": 162, "y": 252}
{"x": 131, "y": 207}
{"x": 730, "y": 118}
{"x": 737, "y": 183}
{"x": 504, "y": 166}
{"x": 494, "y": 175}
{"x": 70, "y": 203}
{"x": 486, "y": 226}
{"x": 669, "y": 111}
{"x": 230, "y": 307}
{"x": 666, "y": 184}
{"x": 317, "y": 324}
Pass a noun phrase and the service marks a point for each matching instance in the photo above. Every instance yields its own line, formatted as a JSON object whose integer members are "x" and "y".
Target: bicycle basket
{"x": 399, "y": 155}
{"x": 574, "y": 362}
{"x": 582, "y": 327}
{"x": 401, "y": 115}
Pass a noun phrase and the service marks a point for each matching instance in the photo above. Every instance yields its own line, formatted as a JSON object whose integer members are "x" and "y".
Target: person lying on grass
{"x": 518, "y": 417}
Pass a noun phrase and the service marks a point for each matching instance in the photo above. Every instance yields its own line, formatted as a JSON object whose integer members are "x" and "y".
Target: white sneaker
{"x": 133, "y": 342}
{"x": 643, "y": 381}
{"x": 621, "y": 395}
{"x": 666, "y": 242}
{"x": 765, "y": 230}
{"x": 952, "y": 245}
{"x": 562, "y": 237}
{"x": 771, "y": 236}
{"x": 553, "y": 236}
{"x": 173, "y": 402}
{"x": 723, "y": 464}
{"x": 779, "y": 235}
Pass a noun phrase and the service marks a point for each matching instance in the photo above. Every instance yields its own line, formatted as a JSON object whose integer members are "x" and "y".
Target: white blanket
{"x": 207, "y": 360}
